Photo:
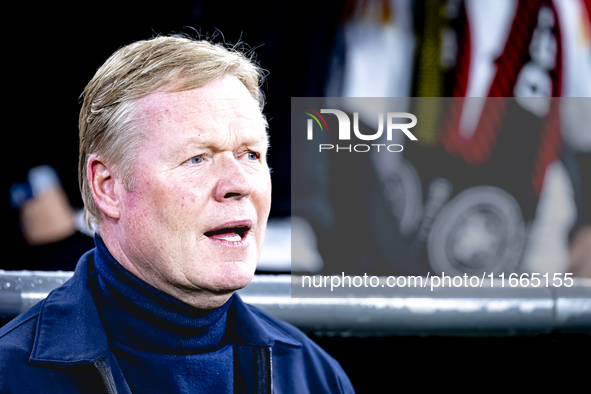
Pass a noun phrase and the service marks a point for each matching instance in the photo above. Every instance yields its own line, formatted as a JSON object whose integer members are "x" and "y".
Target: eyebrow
{"x": 192, "y": 143}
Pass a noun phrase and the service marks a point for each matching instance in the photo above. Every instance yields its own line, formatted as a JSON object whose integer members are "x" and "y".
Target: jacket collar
{"x": 70, "y": 332}
{"x": 69, "y": 329}
{"x": 250, "y": 327}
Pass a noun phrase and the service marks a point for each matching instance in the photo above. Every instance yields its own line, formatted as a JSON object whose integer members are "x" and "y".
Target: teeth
{"x": 232, "y": 238}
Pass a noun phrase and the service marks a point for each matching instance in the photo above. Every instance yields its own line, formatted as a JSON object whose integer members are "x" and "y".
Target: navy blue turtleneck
{"x": 162, "y": 344}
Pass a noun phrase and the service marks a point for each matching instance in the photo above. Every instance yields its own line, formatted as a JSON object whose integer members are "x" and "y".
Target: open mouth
{"x": 230, "y": 234}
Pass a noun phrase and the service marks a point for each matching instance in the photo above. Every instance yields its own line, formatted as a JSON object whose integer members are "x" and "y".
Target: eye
{"x": 196, "y": 159}
{"x": 252, "y": 156}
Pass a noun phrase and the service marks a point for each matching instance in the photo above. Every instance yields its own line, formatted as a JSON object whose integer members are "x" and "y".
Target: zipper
{"x": 271, "y": 369}
{"x": 106, "y": 375}
{"x": 264, "y": 370}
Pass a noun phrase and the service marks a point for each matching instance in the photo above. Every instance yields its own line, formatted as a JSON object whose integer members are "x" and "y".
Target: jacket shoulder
{"x": 16, "y": 342}
{"x": 21, "y": 327}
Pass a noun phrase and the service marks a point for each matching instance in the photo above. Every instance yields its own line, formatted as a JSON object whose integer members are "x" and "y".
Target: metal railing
{"x": 412, "y": 311}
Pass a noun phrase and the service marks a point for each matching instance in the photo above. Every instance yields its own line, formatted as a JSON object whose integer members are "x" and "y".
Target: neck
{"x": 130, "y": 307}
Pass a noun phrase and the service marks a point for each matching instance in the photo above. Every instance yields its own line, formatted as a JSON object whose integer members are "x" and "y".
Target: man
{"x": 174, "y": 177}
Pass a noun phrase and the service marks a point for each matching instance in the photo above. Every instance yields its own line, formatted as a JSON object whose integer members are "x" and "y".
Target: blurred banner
{"x": 433, "y": 186}
{"x": 494, "y": 179}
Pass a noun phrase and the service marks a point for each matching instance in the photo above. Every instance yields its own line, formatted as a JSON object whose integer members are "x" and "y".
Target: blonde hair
{"x": 107, "y": 124}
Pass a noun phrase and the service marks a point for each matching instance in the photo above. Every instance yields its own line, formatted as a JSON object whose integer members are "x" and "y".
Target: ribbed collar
{"x": 140, "y": 316}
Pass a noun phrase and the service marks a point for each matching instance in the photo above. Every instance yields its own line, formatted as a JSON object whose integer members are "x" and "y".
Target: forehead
{"x": 224, "y": 103}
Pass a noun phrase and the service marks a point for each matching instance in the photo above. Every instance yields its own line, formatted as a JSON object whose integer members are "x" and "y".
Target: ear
{"x": 103, "y": 186}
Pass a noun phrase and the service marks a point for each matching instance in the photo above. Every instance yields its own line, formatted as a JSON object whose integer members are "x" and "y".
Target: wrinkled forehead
{"x": 223, "y": 98}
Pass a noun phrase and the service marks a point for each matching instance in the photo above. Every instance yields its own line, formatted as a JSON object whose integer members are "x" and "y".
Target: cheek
{"x": 152, "y": 201}
{"x": 186, "y": 198}
{"x": 134, "y": 199}
{"x": 135, "y": 205}
{"x": 265, "y": 194}
{"x": 176, "y": 205}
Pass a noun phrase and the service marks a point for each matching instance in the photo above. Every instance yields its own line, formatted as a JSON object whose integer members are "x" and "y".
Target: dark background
{"x": 55, "y": 51}
{"x": 52, "y": 51}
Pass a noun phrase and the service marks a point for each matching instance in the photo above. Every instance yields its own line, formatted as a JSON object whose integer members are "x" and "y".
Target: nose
{"x": 233, "y": 181}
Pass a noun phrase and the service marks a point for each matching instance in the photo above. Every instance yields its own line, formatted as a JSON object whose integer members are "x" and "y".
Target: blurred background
{"x": 363, "y": 48}
{"x": 491, "y": 185}
{"x": 54, "y": 50}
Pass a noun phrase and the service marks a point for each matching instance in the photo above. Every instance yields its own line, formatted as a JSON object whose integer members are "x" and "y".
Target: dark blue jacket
{"x": 60, "y": 346}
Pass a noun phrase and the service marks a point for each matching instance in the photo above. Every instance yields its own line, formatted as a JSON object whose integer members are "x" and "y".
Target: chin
{"x": 235, "y": 276}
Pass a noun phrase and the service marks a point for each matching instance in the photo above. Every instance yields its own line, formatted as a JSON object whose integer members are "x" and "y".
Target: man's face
{"x": 196, "y": 218}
